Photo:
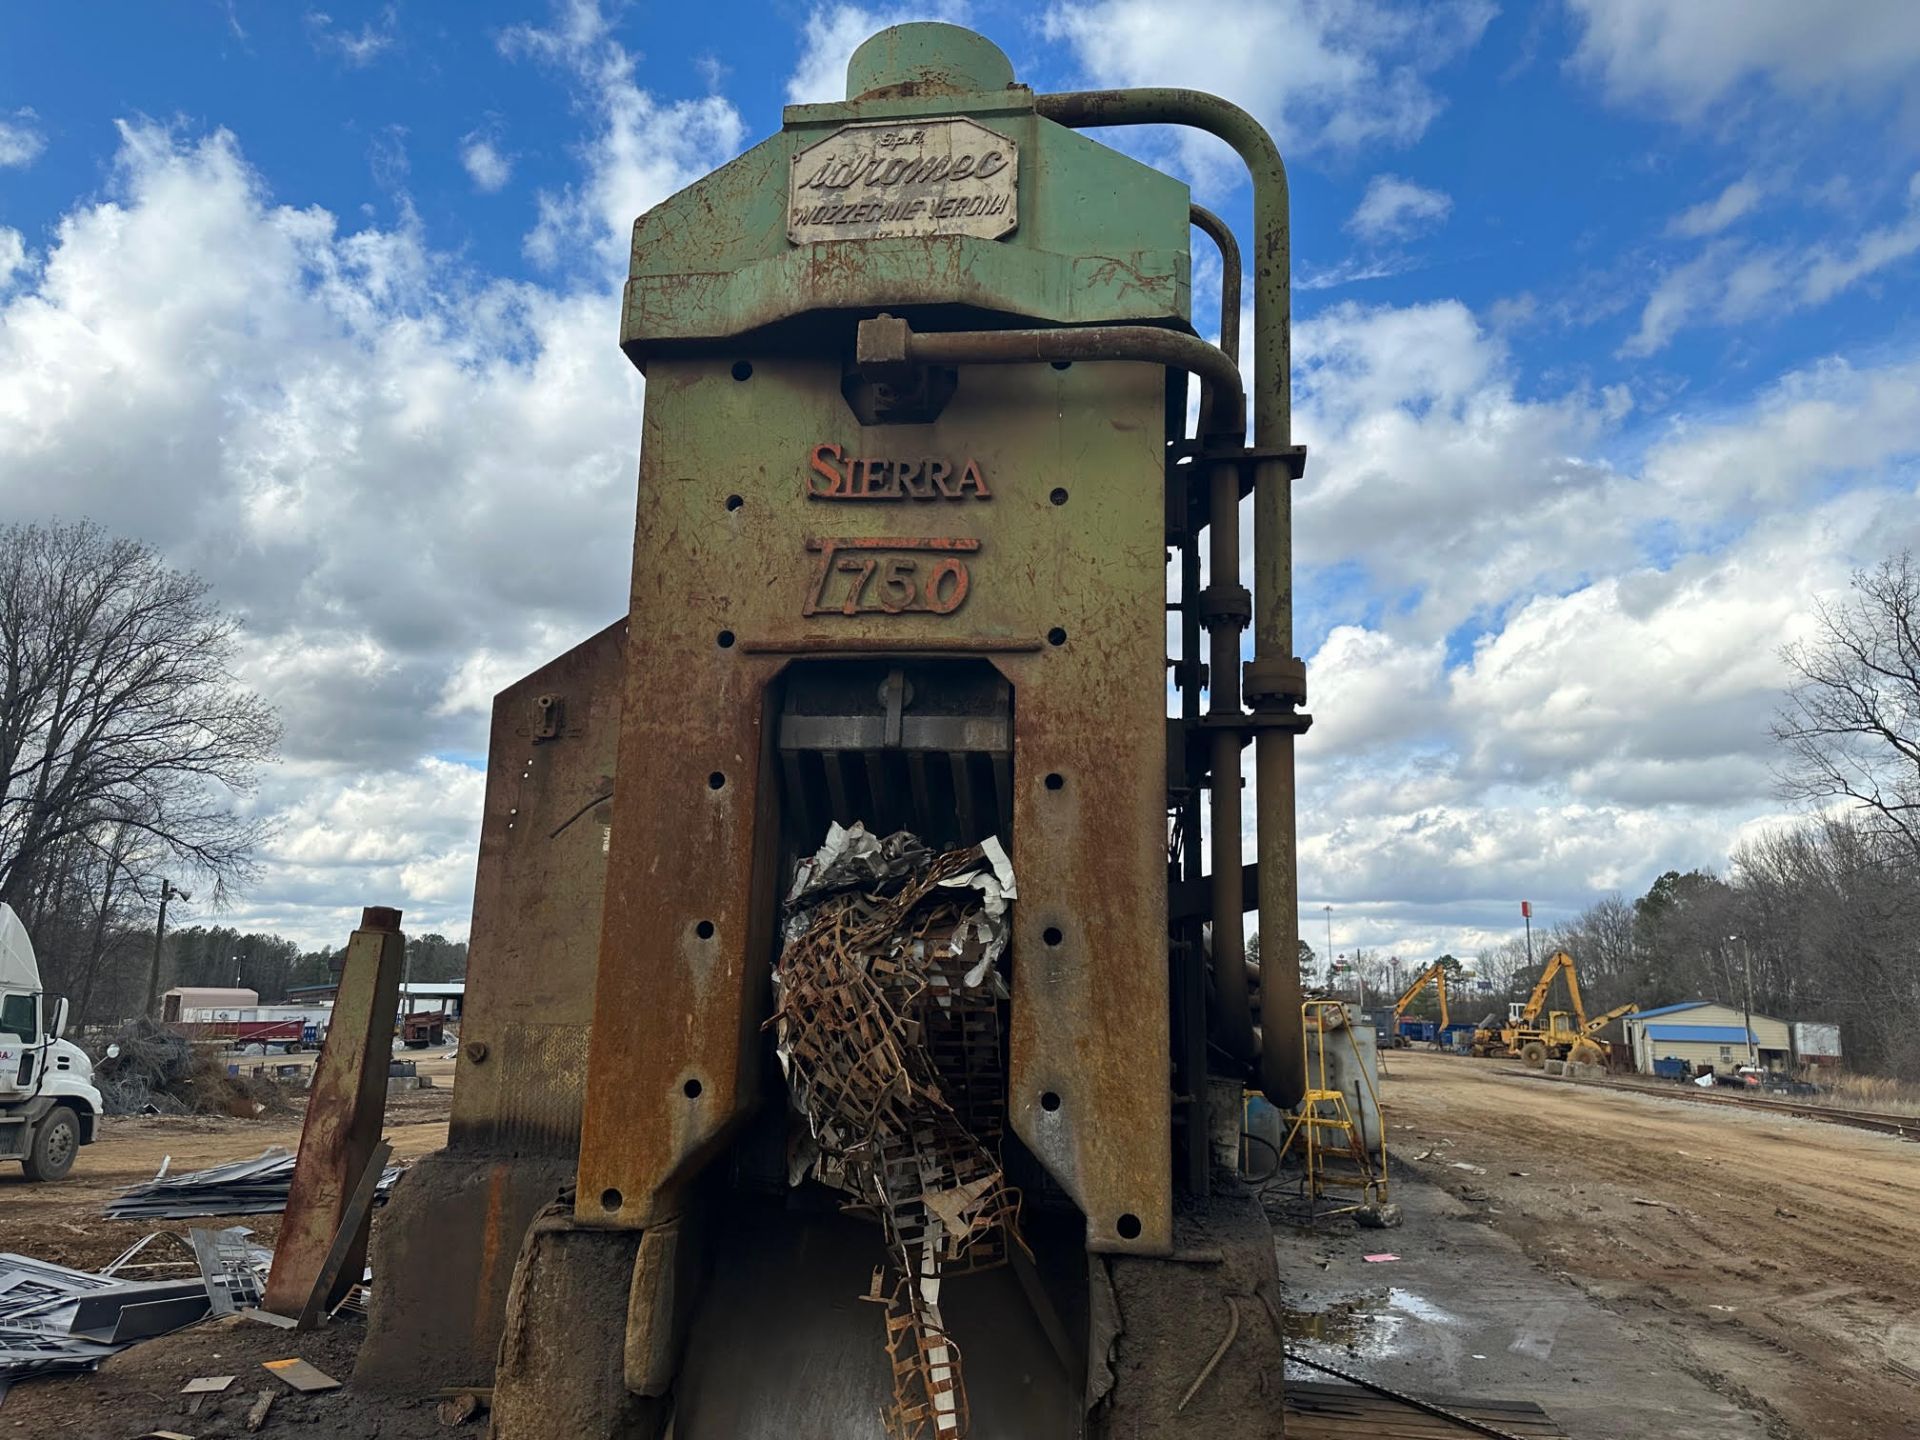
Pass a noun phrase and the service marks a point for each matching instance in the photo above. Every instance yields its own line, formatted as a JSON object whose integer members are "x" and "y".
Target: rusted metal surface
{"x": 1283, "y": 1050}
{"x": 536, "y": 905}
{"x": 347, "y": 1103}
{"x": 446, "y": 1246}
{"x": 718, "y": 599}
{"x": 1222, "y": 606}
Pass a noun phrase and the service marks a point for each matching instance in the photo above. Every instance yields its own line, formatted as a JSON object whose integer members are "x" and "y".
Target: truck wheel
{"x": 56, "y": 1140}
{"x": 1534, "y": 1053}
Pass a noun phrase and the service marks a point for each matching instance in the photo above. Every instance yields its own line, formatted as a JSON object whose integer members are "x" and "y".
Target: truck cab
{"x": 49, "y": 1106}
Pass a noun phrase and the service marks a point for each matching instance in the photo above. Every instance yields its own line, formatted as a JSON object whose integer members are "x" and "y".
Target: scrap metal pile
{"x": 243, "y": 1187}
{"x": 54, "y": 1319}
{"x": 887, "y": 1020}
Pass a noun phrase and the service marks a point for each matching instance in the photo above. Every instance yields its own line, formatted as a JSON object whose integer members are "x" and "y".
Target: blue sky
{"x": 1604, "y": 353}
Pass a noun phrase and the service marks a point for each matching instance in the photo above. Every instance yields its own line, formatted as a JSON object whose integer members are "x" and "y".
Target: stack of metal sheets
{"x": 54, "y": 1319}
{"x": 244, "y": 1187}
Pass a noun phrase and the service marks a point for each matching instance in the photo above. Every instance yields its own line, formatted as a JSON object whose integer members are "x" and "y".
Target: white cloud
{"x": 1542, "y": 659}
{"x": 372, "y": 454}
{"x": 21, "y": 142}
{"x": 1686, "y": 55}
{"x": 1728, "y": 283}
{"x": 357, "y": 47}
{"x": 1393, "y": 208}
{"x": 834, "y": 32}
{"x": 1710, "y": 217}
{"x": 13, "y": 255}
{"x": 486, "y": 166}
{"x": 1332, "y": 75}
{"x": 641, "y": 150}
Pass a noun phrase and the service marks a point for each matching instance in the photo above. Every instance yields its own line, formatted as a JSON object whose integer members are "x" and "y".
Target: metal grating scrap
{"x": 242, "y": 1187}
{"x": 888, "y": 1024}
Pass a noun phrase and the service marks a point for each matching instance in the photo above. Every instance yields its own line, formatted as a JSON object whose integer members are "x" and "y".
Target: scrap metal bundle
{"x": 244, "y": 1187}
{"x": 54, "y": 1319}
{"x": 887, "y": 1021}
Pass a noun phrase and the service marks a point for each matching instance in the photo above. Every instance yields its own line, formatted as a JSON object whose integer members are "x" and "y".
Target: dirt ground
{"x": 137, "y": 1391}
{"x": 1778, "y": 1258}
{"x": 1783, "y": 1254}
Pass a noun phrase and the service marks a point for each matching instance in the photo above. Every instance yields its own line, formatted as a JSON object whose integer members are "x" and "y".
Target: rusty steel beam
{"x": 1276, "y": 679}
{"x": 346, "y": 1105}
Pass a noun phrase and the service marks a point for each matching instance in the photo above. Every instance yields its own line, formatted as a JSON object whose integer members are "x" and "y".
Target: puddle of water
{"x": 1372, "y": 1326}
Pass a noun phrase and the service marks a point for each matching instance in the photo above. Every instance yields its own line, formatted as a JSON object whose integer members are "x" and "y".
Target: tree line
{"x": 128, "y": 750}
{"x": 1819, "y": 920}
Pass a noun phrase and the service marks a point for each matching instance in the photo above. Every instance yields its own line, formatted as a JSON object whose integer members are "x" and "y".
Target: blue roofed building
{"x": 1707, "y": 1035}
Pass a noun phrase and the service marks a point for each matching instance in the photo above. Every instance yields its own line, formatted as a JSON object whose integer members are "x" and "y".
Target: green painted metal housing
{"x": 1100, "y": 239}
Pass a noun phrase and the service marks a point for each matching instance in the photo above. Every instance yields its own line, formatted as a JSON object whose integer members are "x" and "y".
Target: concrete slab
{"x": 1462, "y": 1311}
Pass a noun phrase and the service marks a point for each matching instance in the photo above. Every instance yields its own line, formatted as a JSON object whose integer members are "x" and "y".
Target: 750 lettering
{"x": 886, "y": 576}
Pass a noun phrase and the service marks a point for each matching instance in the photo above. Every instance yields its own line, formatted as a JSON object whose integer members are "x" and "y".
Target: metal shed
{"x": 1707, "y": 1035}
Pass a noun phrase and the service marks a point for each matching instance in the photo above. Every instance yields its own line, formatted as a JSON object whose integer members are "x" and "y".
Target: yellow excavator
{"x": 1566, "y": 1035}
{"x": 1435, "y": 975}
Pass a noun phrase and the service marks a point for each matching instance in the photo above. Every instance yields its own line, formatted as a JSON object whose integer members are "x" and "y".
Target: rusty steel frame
{"x": 344, "y": 1115}
{"x": 1279, "y": 683}
{"x": 718, "y": 592}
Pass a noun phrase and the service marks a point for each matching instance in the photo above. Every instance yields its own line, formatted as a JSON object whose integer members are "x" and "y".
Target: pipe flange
{"x": 1226, "y": 604}
{"x": 1270, "y": 682}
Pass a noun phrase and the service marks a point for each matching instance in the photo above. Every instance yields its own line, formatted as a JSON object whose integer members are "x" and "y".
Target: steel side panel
{"x": 536, "y": 907}
{"x": 1089, "y": 1014}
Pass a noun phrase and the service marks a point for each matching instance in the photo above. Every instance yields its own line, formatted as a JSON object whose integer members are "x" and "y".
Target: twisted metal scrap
{"x": 887, "y": 1022}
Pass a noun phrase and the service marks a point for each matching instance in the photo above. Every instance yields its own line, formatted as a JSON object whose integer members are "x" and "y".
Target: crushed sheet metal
{"x": 41, "y": 1310}
{"x": 887, "y": 1023}
{"x": 241, "y": 1187}
{"x": 233, "y": 1268}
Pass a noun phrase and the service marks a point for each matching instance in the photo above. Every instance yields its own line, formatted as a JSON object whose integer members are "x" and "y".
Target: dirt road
{"x": 62, "y": 1221}
{"x": 1784, "y": 1254}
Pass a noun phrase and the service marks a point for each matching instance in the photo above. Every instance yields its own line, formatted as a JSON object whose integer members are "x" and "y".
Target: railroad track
{"x": 1907, "y": 1127}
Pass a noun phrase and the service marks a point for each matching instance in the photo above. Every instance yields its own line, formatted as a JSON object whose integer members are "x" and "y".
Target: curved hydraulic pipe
{"x": 1221, "y": 233}
{"x": 1282, "y": 1041}
{"x": 887, "y": 340}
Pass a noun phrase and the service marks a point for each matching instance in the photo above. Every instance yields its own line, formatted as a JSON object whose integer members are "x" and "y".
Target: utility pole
{"x": 1746, "y": 953}
{"x": 1327, "y": 910}
{"x": 168, "y": 891}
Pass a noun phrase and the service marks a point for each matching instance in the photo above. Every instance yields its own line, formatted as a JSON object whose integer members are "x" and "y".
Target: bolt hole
{"x": 1128, "y": 1226}
{"x": 1056, "y": 636}
{"x": 742, "y": 370}
{"x": 1063, "y": 364}
{"x": 1059, "y": 495}
{"x": 726, "y": 639}
{"x": 1056, "y": 780}
{"x": 716, "y": 781}
{"x": 704, "y": 929}
{"x": 1049, "y": 1101}
{"x": 610, "y": 1199}
{"x": 734, "y": 502}
{"x": 1052, "y": 935}
{"x": 691, "y": 1089}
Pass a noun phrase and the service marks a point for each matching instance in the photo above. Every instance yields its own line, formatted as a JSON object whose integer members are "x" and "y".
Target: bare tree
{"x": 123, "y": 731}
{"x": 1851, "y": 725}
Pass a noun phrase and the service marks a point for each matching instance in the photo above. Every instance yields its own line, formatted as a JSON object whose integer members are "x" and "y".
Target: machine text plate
{"x": 949, "y": 176}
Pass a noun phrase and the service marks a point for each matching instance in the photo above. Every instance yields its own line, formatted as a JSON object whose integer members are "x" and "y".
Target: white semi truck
{"x": 49, "y": 1107}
